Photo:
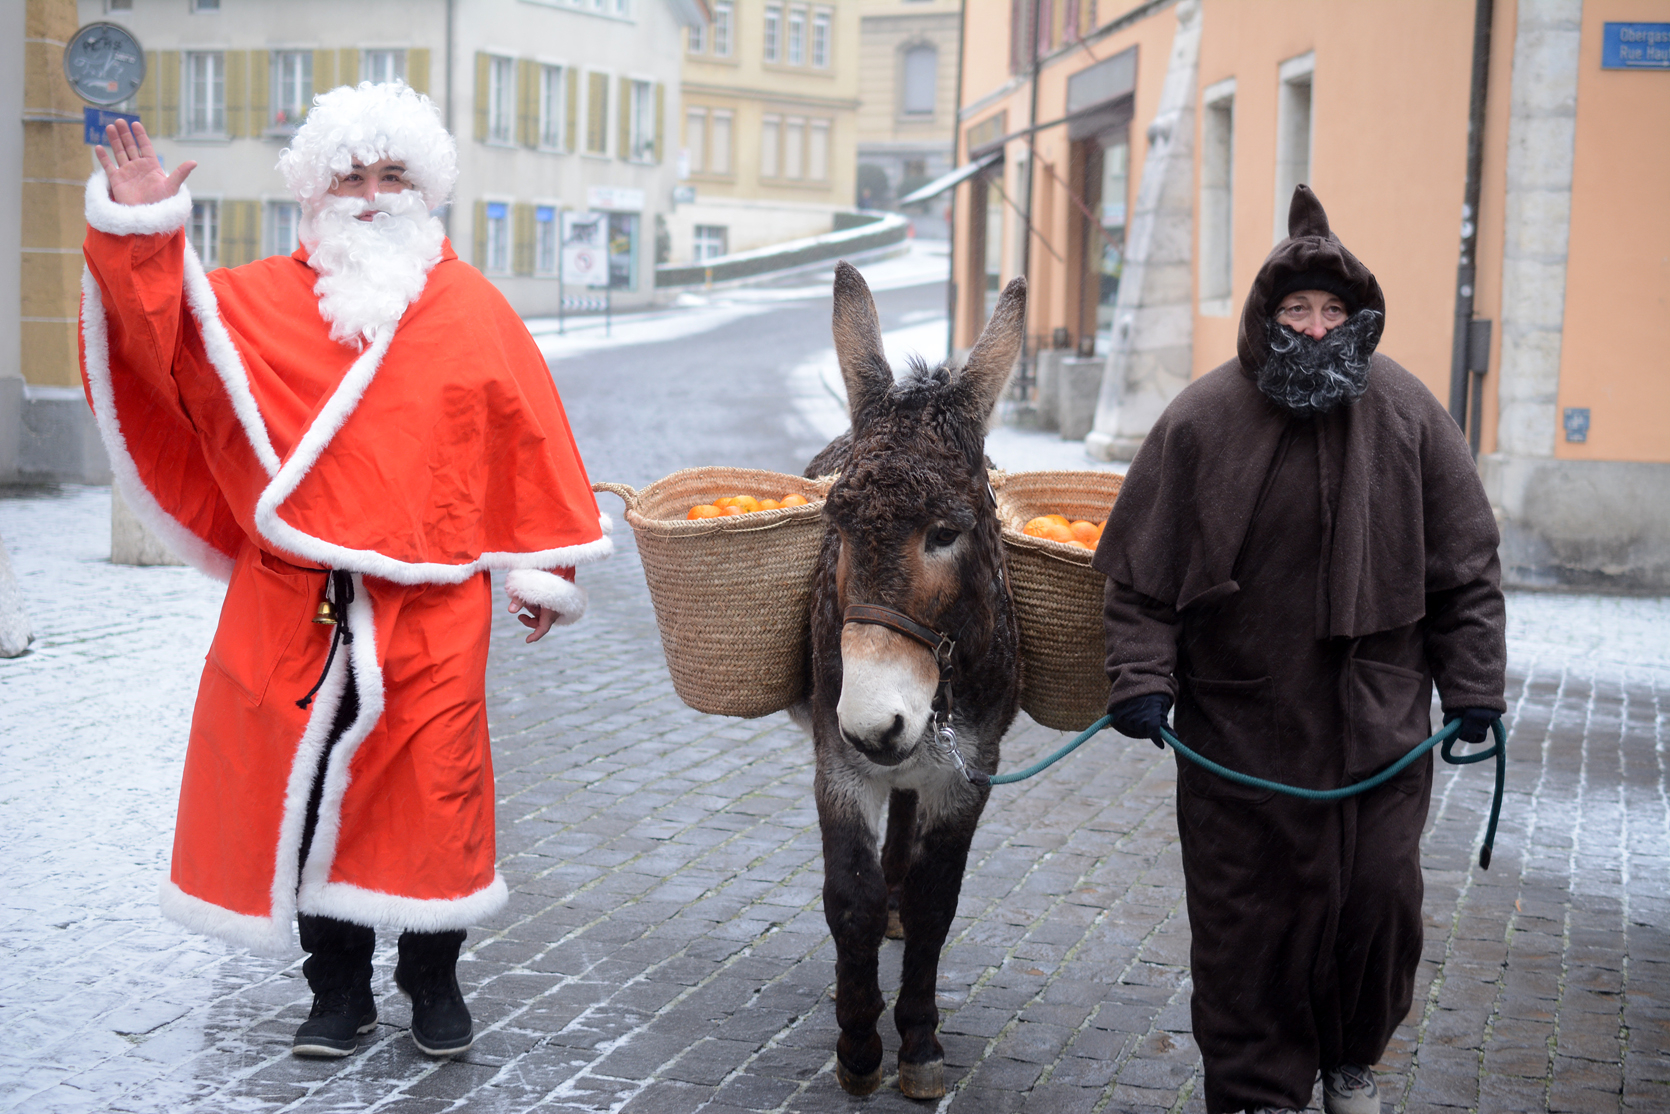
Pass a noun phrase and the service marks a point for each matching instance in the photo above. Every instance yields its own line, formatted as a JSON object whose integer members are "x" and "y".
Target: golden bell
{"x": 326, "y": 615}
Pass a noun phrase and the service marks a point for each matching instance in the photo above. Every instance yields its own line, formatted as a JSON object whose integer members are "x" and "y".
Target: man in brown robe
{"x": 1300, "y": 550}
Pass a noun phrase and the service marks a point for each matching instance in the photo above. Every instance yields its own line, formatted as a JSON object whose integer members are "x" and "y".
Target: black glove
{"x": 1141, "y": 717}
{"x": 1475, "y": 723}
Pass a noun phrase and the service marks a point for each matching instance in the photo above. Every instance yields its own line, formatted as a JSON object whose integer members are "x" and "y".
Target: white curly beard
{"x": 370, "y": 271}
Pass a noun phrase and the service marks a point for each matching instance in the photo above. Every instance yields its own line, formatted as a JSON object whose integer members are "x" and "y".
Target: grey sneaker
{"x": 1350, "y": 1089}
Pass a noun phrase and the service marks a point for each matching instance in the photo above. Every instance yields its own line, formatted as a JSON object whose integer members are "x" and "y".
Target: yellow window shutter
{"x": 527, "y": 103}
{"x": 237, "y": 92}
{"x": 523, "y": 259}
{"x": 482, "y": 62}
{"x": 168, "y": 93}
{"x": 145, "y": 97}
{"x": 324, "y": 70}
{"x": 571, "y": 109}
{"x": 660, "y": 119}
{"x": 348, "y": 66}
{"x": 623, "y": 118}
{"x": 417, "y": 69}
{"x": 260, "y": 83}
{"x": 597, "y": 114}
{"x": 481, "y": 232}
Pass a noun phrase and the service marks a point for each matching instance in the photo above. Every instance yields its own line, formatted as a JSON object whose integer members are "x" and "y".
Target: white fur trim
{"x": 109, "y": 215}
{"x": 546, "y": 589}
{"x": 363, "y": 124}
{"x": 224, "y": 358}
{"x": 96, "y": 341}
{"x": 262, "y": 935}
{"x": 370, "y": 908}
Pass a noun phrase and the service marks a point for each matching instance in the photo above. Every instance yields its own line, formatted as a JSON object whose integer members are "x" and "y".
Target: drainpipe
{"x": 1031, "y": 164}
{"x": 951, "y": 216}
{"x": 1467, "y": 271}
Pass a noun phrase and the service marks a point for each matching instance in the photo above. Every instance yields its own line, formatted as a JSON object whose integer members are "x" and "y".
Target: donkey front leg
{"x": 855, "y": 904}
{"x": 896, "y": 852}
{"x": 929, "y": 902}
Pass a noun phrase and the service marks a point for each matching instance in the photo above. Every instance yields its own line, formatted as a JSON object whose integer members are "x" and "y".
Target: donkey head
{"x": 917, "y": 531}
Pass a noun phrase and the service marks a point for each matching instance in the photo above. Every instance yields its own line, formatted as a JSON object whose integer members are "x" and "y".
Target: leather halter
{"x": 939, "y": 644}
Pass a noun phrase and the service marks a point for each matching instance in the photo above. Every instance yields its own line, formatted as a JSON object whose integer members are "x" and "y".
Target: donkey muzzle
{"x": 887, "y": 692}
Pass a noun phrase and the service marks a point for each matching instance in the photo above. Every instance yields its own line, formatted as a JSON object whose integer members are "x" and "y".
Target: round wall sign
{"x": 104, "y": 64}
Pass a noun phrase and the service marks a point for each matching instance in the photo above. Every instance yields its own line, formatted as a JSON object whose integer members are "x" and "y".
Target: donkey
{"x": 915, "y": 669}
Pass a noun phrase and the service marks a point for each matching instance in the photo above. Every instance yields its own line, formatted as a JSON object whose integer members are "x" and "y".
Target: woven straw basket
{"x": 732, "y": 596}
{"x": 1058, "y": 596}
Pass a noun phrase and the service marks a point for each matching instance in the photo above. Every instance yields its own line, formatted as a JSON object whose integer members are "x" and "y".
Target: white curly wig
{"x": 365, "y": 124}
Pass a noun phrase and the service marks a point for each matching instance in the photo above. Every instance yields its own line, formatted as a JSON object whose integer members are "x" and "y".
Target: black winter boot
{"x": 428, "y": 974}
{"x": 338, "y": 970}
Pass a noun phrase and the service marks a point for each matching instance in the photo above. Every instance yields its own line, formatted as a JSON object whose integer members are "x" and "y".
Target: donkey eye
{"x": 941, "y": 536}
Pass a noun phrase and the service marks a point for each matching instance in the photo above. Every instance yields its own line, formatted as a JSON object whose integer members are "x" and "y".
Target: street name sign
{"x": 1635, "y": 46}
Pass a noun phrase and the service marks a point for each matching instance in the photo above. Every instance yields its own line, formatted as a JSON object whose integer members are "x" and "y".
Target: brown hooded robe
{"x": 1297, "y": 585}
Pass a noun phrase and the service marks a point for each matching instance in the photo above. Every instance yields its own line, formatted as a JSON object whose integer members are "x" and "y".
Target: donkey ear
{"x": 993, "y": 356}
{"x": 864, "y": 365}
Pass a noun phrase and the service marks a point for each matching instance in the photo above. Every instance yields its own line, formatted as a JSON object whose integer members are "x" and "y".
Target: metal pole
{"x": 1467, "y": 269}
{"x": 561, "y": 294}
{"x": 951, "y": 212}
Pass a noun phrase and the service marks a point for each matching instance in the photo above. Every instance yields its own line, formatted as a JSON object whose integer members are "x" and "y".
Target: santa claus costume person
{"x": 353, "y": 437}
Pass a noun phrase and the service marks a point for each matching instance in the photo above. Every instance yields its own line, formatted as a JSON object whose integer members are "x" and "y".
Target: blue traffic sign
{"x": 95, "y": 120}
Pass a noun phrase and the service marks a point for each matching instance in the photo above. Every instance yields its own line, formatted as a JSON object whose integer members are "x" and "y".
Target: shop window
{"x": 203, "y": 230}
{"x": 1217, "y": 197}
{"x": 204, "y": 104}
{"x": 292, "y": 72}
{"x": 623, "y": 251}
{"x": 383, "y": 66}
{"x": 283, "y": 227}
{"x": 545, "y": 240}
{"x": 1107, "y": 170}
{"x": 709, "y": 242}
{"x": 1293, "y": 134}
{"x": 921, "y": 74}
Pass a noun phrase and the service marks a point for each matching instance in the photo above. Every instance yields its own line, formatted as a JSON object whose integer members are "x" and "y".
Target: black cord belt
{"x": 339, "y": 593}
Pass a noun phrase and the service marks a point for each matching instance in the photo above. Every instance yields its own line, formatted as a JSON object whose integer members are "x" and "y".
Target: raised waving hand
{"x": 135, "y": 173}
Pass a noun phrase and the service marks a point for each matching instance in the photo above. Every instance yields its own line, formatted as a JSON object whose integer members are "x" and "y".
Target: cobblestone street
{"x": 665, "y": 949}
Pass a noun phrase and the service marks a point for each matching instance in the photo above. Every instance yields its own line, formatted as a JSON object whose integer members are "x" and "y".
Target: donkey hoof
{"x": 895, "y": 926}
{"x": 923, "y": 1081}
{"x": 854, "y": 1084}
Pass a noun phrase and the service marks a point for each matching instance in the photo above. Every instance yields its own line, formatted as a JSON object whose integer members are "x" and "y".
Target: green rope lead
{"x": 1446, "y": 736}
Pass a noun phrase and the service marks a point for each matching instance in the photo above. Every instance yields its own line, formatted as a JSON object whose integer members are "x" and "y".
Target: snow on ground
{"x": 924, "y": 261}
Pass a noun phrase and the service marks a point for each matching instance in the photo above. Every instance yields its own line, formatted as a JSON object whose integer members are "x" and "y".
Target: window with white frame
{"x": 284, "y": 219}
{"x": 719, "y": 144}
{"x": 501, "y": 98}
{"x": 292, "y": 72}
{"x": 695, "y": 138}
{"x": 773, "y": 32}
{"x": 921, "y": 75}
{"x": 1217, "y": 197}
{"x": 383, "y": 66}
{"x": 794, "y": 148}
{"x": 797, "y": 37}
{"x": 1293, "y": 134}
{"x": 709, "y": 241}
{"x": 722, "y": 22}
{"x": 545, "y": 240}
{"x": 498, "y": 238}
{"x": 203, "y": 107}
{"x": 817, "y": 150}
{"x": 203, "y": 230}
{"x": 641, "y": 122}
{"x": 552, "y": 89}
{"x": 771, "y": 128}
{"x": 822, "y": 26}
{"x": 697, "y": 39}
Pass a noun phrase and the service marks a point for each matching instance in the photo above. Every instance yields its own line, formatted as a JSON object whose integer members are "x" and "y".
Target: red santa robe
{"x": 264, "y": 453}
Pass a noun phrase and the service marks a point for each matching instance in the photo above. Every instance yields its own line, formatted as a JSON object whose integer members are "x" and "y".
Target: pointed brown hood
{"x": 1311, "y": 249}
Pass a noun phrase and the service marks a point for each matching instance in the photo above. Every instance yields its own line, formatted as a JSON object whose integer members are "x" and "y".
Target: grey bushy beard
{"x": 370, "y": 271}
{"x": 1307, "y": 376}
